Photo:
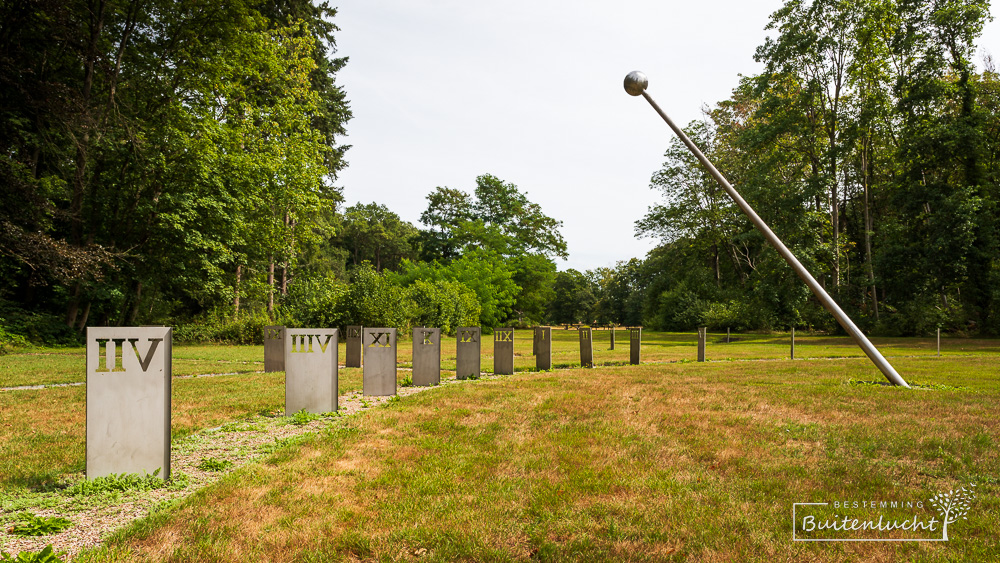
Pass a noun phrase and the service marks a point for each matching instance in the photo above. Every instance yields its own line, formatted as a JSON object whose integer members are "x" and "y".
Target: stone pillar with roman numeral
{"x": 353, "y": 359}
{"x": 586, "y": 347}
{"x": 634, "y": 345}
{"x": 426, "y": 356}
{"x": 379, "y": 374}
{"x": 543, "y": 359}
{"x": 274, "y": 348}
{"x": 311, "y": 370}
{"x": 128, "y": 400}
{"x": 468, "y": 362}
{"x": 503, "y": 351}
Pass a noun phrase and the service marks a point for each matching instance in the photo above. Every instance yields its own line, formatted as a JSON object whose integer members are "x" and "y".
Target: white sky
{"x": 531, "y": 92}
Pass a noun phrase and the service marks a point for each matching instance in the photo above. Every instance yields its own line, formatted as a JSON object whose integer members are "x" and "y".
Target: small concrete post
{"x": 379, "y": 373}
{"x": 426, "y": 356}
{"x": 702, "y": 335}
{"x": 503, "y": 351}
{"x": 468, "y": 362}
{"x": 586, "y": 347}
{"x": 354, "y": 344}
{"x": 543, "y": 360}
{"x": 939, "y": 341}
{"x": 274, "y": 348}
{"x": 612, "y": 337}
{"x": 128, "y": 400}
{"x": 534, "y": 341}
{"x": 727, "y": 335}
{"x": 310, "y": 370}
{"x": 634, "y": 345}
{"x": 793, "y": 342}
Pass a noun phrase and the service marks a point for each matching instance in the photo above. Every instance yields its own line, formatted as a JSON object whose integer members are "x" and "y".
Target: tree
{"x": 175, "y": 150}
{"x": 372, "y": 233}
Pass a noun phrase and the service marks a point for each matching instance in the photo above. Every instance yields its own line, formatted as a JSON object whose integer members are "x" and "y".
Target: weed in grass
{"x": 407, "y": 381}
{"x": 30, "y": 525}
{"x": 212, "y": 464}
{"x": 47, "y": 555}
{"x": 125, "y": 482}
{"x": 394, "y": 399}
{"x": 303, "y": 417}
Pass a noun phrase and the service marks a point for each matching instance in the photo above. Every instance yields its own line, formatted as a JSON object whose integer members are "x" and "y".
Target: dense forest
{"x": 167, "y": 162}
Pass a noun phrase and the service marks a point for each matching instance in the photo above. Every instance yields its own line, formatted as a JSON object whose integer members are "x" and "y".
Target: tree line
{"x": 175, "y": 163}
{"x": 870, "y": 145}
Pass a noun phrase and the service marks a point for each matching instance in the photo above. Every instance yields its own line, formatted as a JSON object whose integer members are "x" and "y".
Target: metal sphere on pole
{"x": 636, "y": 84}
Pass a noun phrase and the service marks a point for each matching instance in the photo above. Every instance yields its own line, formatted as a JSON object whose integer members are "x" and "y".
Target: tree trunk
{"x": 74, "y": 306}
{"x": 270, "y": 288}
{"x": 284, "y": 278}
{"x": 865, "y": 166}
{"x": 83, "y": 318}
{"x": 134, "y": 311}
{"x": 236, "y": 297}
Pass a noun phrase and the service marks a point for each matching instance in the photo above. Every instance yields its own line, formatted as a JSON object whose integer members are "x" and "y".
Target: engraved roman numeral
{"x": 468, "y": 336}
{"x": 144, "y": 362}
{"x": 273, "y": 333}
{"x": 377, "y": 341}
{"x": 301, "y": 339}
{"x": 118, "y": 344}
{"x": 505, "y": 336}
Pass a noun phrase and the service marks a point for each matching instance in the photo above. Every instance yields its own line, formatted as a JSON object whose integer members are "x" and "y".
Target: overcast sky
{"x": 531, "y": 91}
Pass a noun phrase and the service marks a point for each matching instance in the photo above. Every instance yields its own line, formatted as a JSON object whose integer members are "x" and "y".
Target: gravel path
{"x": 240, "y": 443}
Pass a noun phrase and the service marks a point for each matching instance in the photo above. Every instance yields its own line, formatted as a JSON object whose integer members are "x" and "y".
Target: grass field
{"x": 672, "y": 460}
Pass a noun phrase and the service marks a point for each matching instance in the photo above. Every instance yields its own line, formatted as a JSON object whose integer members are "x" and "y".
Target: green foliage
{"x": 407, "y": 380}
{"x": 373, "y": 299}
{"x": 316, "y": 301}
{"x": 46, "y": 555}
{"x": 122, "y": 482}
{"x": 187, "y": 151}
{"x": 371, "y": 233}
{"x": 483, "y": 271}
{"x": 213, "y": 464}
{"x": 30, "y": 525}
{"x": 221, "y": 326}
{"x": 303, "y": 417}
{"x": 443, "y": 304}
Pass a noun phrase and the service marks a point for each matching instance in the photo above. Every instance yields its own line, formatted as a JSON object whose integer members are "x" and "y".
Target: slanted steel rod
{"x": 635, "y": 84}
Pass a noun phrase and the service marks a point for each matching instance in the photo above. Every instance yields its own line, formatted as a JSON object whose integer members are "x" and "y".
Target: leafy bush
{"x": 46, "y": 555}
{"x": 316, "y": 302}
{"x": 31, "y": 525}
{"x": 221, "y": 326}
{"x": 302, "y": 418}
{"x": 443, "y": 304}
{"x": 119, "y": 482}
{"x": 212, "y": 464}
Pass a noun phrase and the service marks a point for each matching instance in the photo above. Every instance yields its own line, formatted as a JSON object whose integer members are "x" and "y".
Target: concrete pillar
{"x": 534, "y": 341}
{"x": 503, "y": 351}
{"x": 354, "y": 344}
{"x": 793, "y": 342}
{"x": 543, "y": 359}
{"x": 634, "y": 344}
{"x": 702, "y": 337}
{"x": 128, "y": 400}
{"x": 939, "y": 342}
{"x": 467, "y": 356}
{"x": 586, "y": 347}
{"x": 727, "y": 335}
{"x": 426, "y": 356}
{"x": 612, "y": 337}
{"x": 310, "y": 370}
{"x": 379, "y": 370}
{"x": 274, "y": 348}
